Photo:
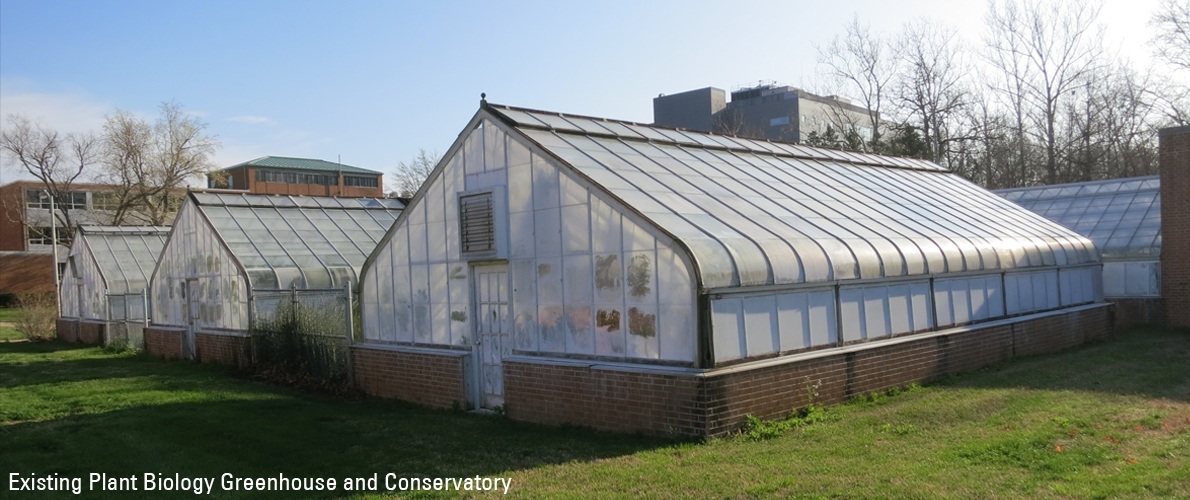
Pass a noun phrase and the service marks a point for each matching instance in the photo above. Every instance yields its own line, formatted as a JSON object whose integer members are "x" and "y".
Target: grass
{"x": 1107, "y": 420}
{"x": 8, "y": 316}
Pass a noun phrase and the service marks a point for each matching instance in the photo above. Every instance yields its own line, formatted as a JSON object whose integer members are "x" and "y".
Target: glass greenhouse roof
{"x": 312, "y": 242}
{"x": 755, "y": 212}
{"x": 125, "y": 254}
{"x": 1122, "y": 216}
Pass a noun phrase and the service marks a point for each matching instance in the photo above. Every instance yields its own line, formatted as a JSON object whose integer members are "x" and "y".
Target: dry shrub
{"x": 36, "y": 314}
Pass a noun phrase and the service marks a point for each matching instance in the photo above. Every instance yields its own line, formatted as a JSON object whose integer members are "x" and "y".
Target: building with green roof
{"x": 299, "y": 176}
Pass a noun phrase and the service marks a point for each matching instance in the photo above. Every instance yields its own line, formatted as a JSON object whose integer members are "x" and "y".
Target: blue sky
{"x": 372, "y": 82}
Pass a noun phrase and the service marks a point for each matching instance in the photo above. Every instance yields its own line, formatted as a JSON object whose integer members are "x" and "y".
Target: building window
{"x": 42, "y": 235}
{"x": 74, "y": 200}
{"x": 477, "y": 223}
{"x": 360, "y": 181}
{"x": 105, "y": 200}
{"x": 35, "y": 198}
{"x": 295, "y": 178}
{"x": 779, "y": 121}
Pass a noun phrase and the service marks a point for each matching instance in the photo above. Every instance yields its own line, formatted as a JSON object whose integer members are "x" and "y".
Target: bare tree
{"x": 864, "y": 63}
{"x": 145, "y": 163}
{"x": 1171, "y": 44}
{"x": 409, "y": 176}
{"x": 55, "y": 160}
{"x": 1171, "y": 37}
{"x": 1045, "y": 52}
{"x": 1113, "y": 126}
{"x": 930, "y": 86}
{"x": 731, "y": 122}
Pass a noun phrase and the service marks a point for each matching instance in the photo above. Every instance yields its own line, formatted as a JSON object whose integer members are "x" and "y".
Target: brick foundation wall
{"x": 66, "y": 329}
{"x": 164, "y": 342}
{"x": 658, "y": 403}
{"x": 92, "y": 333}
{"x": 716, "y": 402}
{"x": 1175, "y": 223}
{"x": 222, "y": 349}
{"x": 420, "y": 376}
{"x": 1132, "y": 312}
{"x": 87, "y": 332}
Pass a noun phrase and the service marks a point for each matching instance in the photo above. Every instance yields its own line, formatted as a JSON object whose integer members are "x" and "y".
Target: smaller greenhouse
{"x": 1122, "y": 217}
{"x": 103, "y": 292}
{"x": 232, "y": 257}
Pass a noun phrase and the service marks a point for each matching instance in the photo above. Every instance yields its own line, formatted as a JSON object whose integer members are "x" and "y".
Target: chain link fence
{"x": 126, "y": 318}
{"x": 304, "y": 332}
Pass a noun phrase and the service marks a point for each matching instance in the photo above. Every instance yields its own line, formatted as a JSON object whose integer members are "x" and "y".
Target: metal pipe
{"x": 54, "y": 241}
{"x": 144, "y": 301}
{"x": 350, "y": 323}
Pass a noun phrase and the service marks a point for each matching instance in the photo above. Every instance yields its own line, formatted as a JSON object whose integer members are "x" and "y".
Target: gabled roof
{"x": 312, "y": 241}
{"x": 125, "y": 255}
{"x": 307, "y": 164}
{"x": 1122, "y": 216}
{"x": 757, "y": 212}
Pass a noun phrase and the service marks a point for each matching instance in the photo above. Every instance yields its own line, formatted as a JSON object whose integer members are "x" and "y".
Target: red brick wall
{"x": 87, "y": 332}
{"x": 245, "y": 178}
{"x": 163, "y": 342}
{"x": 1132, "y": 312}
{"x": 718, "y": 401}
{"x": 66, "y": 329}
{"x": 421, "y": 377}
{"x": 12, "y": 215}
{"x": 21, "y": 273}
{"x": 1175, "y": 224}
{"x": 231, "y": 350}
{"x": 603, "y": 399}
{"x": 242, "y": 176}
{"x": 91, "y": 332}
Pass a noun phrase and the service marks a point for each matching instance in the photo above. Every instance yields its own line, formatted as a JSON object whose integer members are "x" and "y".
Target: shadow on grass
{"x": 25, "y": 346}
{"x": 131, "y": 415}
{"x": 47, "y": 363}
{"x": 1142, "y": 361}
{"x": 298, "y": 438}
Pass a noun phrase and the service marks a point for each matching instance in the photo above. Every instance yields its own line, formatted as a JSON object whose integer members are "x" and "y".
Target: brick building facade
{"x": 1175, "y": 224}
{"x": 299, "y": 176}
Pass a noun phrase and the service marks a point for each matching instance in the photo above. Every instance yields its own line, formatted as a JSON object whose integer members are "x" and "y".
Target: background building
{"x": 26, "y": 244}
{"x": 765, "y": 111}
{"x": 299, "y": 176}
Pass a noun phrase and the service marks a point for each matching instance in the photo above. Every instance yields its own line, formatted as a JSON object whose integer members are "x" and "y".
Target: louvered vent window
{"x": 477, "y": 218}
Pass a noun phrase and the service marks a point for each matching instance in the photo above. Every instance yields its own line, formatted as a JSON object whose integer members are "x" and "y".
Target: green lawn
{"x": 1108, "y": 420}
{"x": 7, "y": 317}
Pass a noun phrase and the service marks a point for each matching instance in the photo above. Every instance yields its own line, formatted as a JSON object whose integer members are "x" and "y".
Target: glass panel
{"x": 522, "y": 117}
{"x": 622, "y": 130}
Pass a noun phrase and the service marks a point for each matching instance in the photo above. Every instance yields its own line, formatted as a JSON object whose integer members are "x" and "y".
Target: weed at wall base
{"x": 288, "y": 351}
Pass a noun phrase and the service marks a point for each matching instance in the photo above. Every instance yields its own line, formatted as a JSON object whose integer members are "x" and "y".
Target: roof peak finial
{"x": 483, "y": 97}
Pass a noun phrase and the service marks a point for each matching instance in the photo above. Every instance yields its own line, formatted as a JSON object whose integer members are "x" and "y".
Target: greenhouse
{"x": 633, "y": 277}
{"x": 232, "y": 256}
{"x": 1122, "y": 217}
{"x": 103, "y": 290}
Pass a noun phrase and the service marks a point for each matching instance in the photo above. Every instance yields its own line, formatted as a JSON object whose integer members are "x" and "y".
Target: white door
{"x": 491, "y": 332}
